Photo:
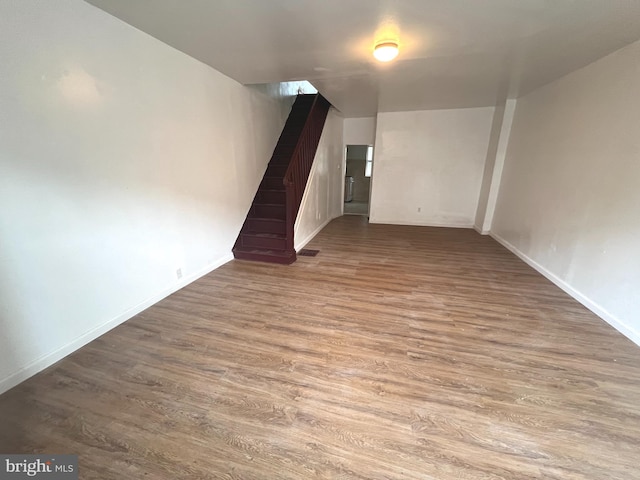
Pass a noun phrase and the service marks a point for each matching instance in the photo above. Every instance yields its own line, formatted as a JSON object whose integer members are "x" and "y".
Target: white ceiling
{"x": 454, "y": 53}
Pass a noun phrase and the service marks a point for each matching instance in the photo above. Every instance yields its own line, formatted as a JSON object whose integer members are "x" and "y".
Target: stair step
{"x": 264, "y": 255}
{"x": 296, "y": 120}
{"x": 276, "y": 170}
{"x": 271, "y": 196}
{"x": 284, "y": 150}
{"x": 289, "y": 140}
{"x": 298, "y": 115}
{"x": 280, "y": 160}
{"x": 304, "y": 100}
{"x": 299, "y": 112}
{"x": 264, "y": 225}
{"x": 299, "y": 109}
{"x": 295, "y": 124}
{"x": 268, "y": 241}
{"x": 268, "y": 210}
{"x": 272, "y": 183}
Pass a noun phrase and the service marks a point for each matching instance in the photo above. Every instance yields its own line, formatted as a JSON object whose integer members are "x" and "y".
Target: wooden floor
{"x": 396, "y": 353}
{"x": 356, "y": 208}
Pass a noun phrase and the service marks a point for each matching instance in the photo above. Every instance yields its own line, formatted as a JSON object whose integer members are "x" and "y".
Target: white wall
{"x": 428, "y": 166}
{"x": 569, "y": 201}
{"x": 121, "y": 160}
{"x": 284, "y": 89}
{"x": 322, "y": 198}
{"x": 359, "y": 131}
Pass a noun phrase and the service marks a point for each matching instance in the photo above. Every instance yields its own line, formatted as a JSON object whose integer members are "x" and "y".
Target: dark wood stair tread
{"x": 256, "y": 216}
{"x": 274, "y": 220}
{"x": 264, "y": 255}
{"x": 264, "y": 235}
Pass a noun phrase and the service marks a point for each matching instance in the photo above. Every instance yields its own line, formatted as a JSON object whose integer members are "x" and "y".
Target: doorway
{"x": 357, "y": 181}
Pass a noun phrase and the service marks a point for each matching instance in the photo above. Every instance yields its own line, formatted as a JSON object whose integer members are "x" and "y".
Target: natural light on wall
{"x": 80, "y": 88}
{"x": 369, "y": 164}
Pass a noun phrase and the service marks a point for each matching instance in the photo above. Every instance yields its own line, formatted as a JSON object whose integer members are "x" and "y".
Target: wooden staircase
{"x": 267, "y": 233}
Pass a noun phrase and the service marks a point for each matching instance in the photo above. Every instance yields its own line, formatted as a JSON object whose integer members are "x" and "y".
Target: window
{"x": 368, "y": 167}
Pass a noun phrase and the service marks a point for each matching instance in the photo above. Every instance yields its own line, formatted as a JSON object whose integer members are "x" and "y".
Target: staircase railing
{"x": 295, "y": 179}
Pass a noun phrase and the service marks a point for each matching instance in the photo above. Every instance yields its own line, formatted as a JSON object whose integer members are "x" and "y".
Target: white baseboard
{"x": 420, "y": 224}
{"x": 49, "y": 359}
{"x": 612, "y": 320}
{"x": 480, "y": 231}
{"x": 302, "y": 243}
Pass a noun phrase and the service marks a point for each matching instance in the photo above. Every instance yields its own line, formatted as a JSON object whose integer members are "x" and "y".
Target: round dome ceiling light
{"x": 386, "y": 51}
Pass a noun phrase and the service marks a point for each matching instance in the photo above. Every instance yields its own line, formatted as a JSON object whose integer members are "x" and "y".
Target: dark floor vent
{"x": 305, "y": 252}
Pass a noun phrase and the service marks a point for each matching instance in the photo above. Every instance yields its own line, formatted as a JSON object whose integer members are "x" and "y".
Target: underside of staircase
{"x": 267, "y": 233}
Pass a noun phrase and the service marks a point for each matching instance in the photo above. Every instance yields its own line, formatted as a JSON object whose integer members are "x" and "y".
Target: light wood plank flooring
{"x": 396, "y": 353}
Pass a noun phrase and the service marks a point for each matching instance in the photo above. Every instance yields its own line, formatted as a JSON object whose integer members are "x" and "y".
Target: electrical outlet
{"x": 179, "y": 273}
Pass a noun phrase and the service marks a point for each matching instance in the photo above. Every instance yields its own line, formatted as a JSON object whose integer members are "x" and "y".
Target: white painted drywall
{"x": 431, "y": 161}
{"x": 284, "y": 89}
{"x": 359, "y": 131}
{"x": 322, "y": 198}
{"x": 569, "y": 201}
{"x": 121, "y": 160}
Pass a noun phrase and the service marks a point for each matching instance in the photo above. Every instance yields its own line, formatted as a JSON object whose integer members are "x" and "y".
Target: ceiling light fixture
{"x": 386, "y": 51}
